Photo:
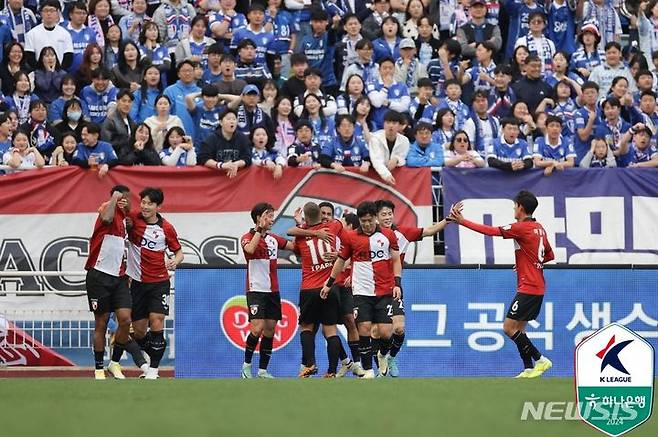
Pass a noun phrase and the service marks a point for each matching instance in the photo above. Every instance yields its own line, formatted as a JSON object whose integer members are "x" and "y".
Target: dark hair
{"x": 392, "y": 19}
{"x": 259, "y": 209}
{"x": 85, "y": 66}
{"x": 537, "y": 14}
{"x": 125, "y": 92}
{"x": 101, "y": 73}
{"x": 246, "y": 42}
{"x": 66, "y": 79}
{"x": 185, "y": 62}
{"x": 155, "y": 195}
{"x": 226, "y": 57}
{"x": 275, "y": 111}
{"x": 384, "y": 203}
{"x": 352, "y": 220}
{"x": 451, "y": 147}
{"x": 147, "y": 25}
{"x": 612, "y": 101}
{"x": 425, "y": 82}
{"x": 161, "y": 96}
{"x": 326, "y": 204}
{"x": 313, "y": 71}
{"x": 67, "y": 106}
{"x": 393, "y": 116}
{"x": 121, "y": 58}
{"x": 120, "y": 188}
{"x": 40, "y": 65}
{"x": 4, "y": 116}
{"x": 318, "y": 14}
{"x": 296, "y": 59}
{"x": 503, "y": 69}
{"x": 149, "y": 142}
{"x": 480, "y": 93}
{"x": 527, "y": 200}
{"x": 647, "y": 93}
{"x": 438, "y": 124}
{"x": 175, "y": 129}
{"x": 407, "y": 16}
{"x": 197, "y": 18}
{"x": 93, "y": 128}
{"x": 143, "y": 95}
{"x": 305, "y": 113}
{"x": 422, "y": 126}
{"x": 553, "y": 119}
{"x": 77, "y": 5}
{"x": 642, "y": 72}
{"x": 226, "y": 112}
{"x": 52, "y": 3}
{"x": 590, "y": 85}
{"x": 449, "y": 82}
{"x": 366, "y": 208}
{"x": 16, "y": 77}
{"x": 488, "y": 45}
{"x": 371, "y": 113}
{"x": 216, "y": 49}
{"x": 612, "y": 44}
{"x": 65, "y": 135}
{"x": 270, "y": 140}
{"x": 510, "y": 120}
{"x": 22, "y": 131}
{"x": 347, "y": 17}
{"x": 37, "y": 103}
{"x": 531, "y": 58}
{"x": 453, "y": 47}
{"x": 341, "y": 118}
{"x": 363, "y": 43}
{"x": 10, "y": 46}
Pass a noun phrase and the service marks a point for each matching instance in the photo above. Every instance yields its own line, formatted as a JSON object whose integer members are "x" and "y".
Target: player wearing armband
{"x": 532, "y": 250}
{"x": 405, "y": 236}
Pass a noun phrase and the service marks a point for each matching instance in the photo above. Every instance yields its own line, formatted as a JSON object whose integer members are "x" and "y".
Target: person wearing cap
{"x": 408, "y": 69}
{"x": 49, "y": 34}
{"x": 100, "y": 96}
{"x": 250, "y": 114}
{"x": 363, "y": 66}
{"x": 312, "y": 80}
{"x": 304, "y": 152}
{"x": 226, "y": 149}
{"x": 537, "y": 43}
{"x": 247, "y": 68}
{"x": 478, "y": 30}
{"x": 255, "y": 32}
{"x": 424, "y": 152}
{"x": 388, "y": 147}
{"x": 173, "y": 18}
{"x": 606, "y": 18}
{"x": 588, "y": 55}
{"x": 224, "y": 22}
{"x": 205, "y": 111}
{"x": 319, "y": 48}
{"x": 640, "y": 152}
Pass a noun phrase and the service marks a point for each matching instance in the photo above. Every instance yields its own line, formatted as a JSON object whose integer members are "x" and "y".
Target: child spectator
{"x": 263, "y": 154}
{"x": 304, "y": 152}
{"x": 599, "y": 155}
{"x": 22, "y": 156}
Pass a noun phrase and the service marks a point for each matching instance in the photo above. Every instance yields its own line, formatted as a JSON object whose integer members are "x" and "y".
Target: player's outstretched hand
{"x": 397, "y": 293}
{"x": 456, "y": 212}
{"x": 324, "y": 292}
{"x": 298, "y": 216}
{"x": 330, "y": 256}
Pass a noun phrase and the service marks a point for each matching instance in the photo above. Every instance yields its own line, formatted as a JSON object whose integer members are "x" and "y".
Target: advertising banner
{"x": 454, "y": 320}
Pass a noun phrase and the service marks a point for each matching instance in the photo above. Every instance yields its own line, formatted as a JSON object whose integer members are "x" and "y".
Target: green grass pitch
{"x": 473, "y": 407}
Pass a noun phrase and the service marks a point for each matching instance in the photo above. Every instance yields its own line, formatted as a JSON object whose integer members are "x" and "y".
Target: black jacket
{"x": 216, "y": 147}
{"x": 531, "y": 91}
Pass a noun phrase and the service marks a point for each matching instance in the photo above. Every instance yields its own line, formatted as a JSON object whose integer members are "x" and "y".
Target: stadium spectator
{"x": 48, "y": 33}
{"x": 532, "y": 89}
{"x": 477, "y": 30}
{"x": 537, "y": 43}
{"x": 599, "y": 155}
{"x": 5, "y": 133}
{"x": 421, "y": 108}
{"x": 508, "y": 152}
{"x": 67, "y": 91}
{"x": 613, "y": 66}
{"x": 21, "y": 97}
{"x": 304, "y": 152}
{"x": 387, "y": 94}
{"x": 48, "y": 75}
{"x": 589, "y": 54}
{"x": 250, "y": 114}
{"x": 162, "y": 121}
{"x": 73, "y": 119}
{"x": 354, "y": 88}
{"x": 263, "y": 154}
{"x": 132, "y": 21}
{"x": 363, "y": 66}
{"x": 460, "y": 154}
{"x": 444, "y": 129}
{"x": 225, "y": 21}
{"x": 178, "y": 149}
{"x": 445, "y": 66}
{"x": 144, "y": 104}
{"x": 62, "y": 156}
{"x": 517, "y": 64}
{"x": 427, "y": 46}
{"x": 604, "y": 16}
{"x": 388, "y": 46}
{"x": 112, "y": 46}
{"x": 185, "y": 85}
{"x": 81, "y": 35}
{"x": 295, "y": 85}
{"x": 612, "y": 126}
{"x": 94, "y": 154}
{"x": 100, "y": 96}
{"x": 173, "y": 18}
{"x": 270, "y": 94}
{"x": 152, "y": 51}
{"x": 14, "y": 61}
{"x": 92, "y": 59}
{"x": 424, "y": 152}
{"x": 388, "y": 147}
{"x": 194, "y": 47}
{"x": 229, "y": 83}
{"x": 553, "y": 152}
{"x": 141, "y": 150}
{"x": 19, "y": 18}
{"x": 561, "y": 73}
{"x": 226, "y": 149}
{"x": 205, "y": 110}
{"x": 346, "y": 52}
{"x": 100, "y": 19}
{"x": 408, "y": 69}
{"x": 454, "y": 102}
{"x": 283, "y": 120}
{"x": 312, "y": 81}
{"x": 324, "y": 130}
{"x": 118, "y": 127}
{"x": 502, "y": 95}
{"x": 635, "y": 148}
{"x": 481, "y": 75}
{"x": 42, "y": 135}
{"x": 346, "y": 150}
{"x": 482, "y": 128}
{"x": 247, "y": 68}
{"x": 22, "y": 156}
{"x": 372, "y": 26}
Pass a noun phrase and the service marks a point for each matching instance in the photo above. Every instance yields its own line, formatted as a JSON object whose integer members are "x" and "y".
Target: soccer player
{"x": 376, "y": 281}
{"x": 405, "y": 236}
{"x": 532, "y": 251}
{"x": 261, "y": 250}
{"x": 314, "y": 308}
{"x": 150, "y": 237}
{"x": 106, "y": 282}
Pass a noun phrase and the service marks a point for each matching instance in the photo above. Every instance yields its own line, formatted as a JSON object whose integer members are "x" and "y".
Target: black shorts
{"x": 264, "y": 305}
{"x": 346, "y": 301}
{"x": 107, "y": 293}
{"x": 525, "y": 307}
{"x": 398, "y": 307}
{"x": 375, "y": 309}
{"x": 314, "y": 309}
{"x": 149, "y": 297}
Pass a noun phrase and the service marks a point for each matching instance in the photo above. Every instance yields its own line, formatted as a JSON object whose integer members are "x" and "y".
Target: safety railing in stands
{"x": 437, "y": 209}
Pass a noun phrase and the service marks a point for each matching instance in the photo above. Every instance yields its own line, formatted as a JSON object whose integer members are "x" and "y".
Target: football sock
{"x": 523, "y": 345}
{"x": 374, "y": 342}
{"x": 117, "y": 351}
{"x": 308, "y": 348}
{"x": 354, "y": 350}
{"x": 135, "y": 351}
{"x": 397, "y": 340}
{"x": 384, "y": 346}
{"x": 98, "y": 359}
{"x": 265, "y": 352}
{"x": 333, "y": 351}
{"x": 156, "y": 347}
{"x": 365, "y": 349}
{"x": 341, "y": 351}
{"x": 250, "y": 347}
{"x": 142, "y": 341}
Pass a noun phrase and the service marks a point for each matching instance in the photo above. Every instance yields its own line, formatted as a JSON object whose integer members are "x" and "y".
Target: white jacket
{"x": 380, "y": 155}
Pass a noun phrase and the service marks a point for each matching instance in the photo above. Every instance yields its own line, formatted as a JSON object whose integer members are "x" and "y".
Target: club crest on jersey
{"x": 94, "y": 304}
{"x": 356, "y": 312}
{"x": 253, "y": 309}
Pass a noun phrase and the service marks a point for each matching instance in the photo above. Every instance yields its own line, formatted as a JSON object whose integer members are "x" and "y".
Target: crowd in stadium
{"x": 229, "y": 84}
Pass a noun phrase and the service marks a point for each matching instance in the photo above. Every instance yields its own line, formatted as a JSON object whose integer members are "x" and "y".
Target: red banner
{"x": 19, "y": 349}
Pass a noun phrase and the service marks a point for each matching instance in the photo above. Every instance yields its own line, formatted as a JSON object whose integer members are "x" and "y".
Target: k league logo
{"x": 614, "y": 379}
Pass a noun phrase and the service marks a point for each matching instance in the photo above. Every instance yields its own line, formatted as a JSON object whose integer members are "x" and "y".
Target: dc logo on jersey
{"x": 253, "y": 309}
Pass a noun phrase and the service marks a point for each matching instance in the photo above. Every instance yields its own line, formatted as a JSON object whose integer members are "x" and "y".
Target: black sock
{"x": 523, "y": 345}
{"x": 156, "y": 347}
{"x": 333, "y": 351}
{"x": 117, "y": 351}
{"x": 341, "y": 352}
{"x": 397, "y": 340}
{"x": 354, "y": 350}
{"x": 250, "y": 347}
{"x": 265, "y": 352}
{"x": 374, "y": 343}
{"x": 308, "y": 348}
{"x": 135, "y": 351}
{"x": 384, "y": 346}
{"x": 365, "y": 350}
{"x": 98, "y": 359}
{"x": 142, "y": 342}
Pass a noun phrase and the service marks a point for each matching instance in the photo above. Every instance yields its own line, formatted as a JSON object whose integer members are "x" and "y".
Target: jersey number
{"x": 390, "y": 310}
{"x": 317, "y": 248}
{"x": 541, "y": 250}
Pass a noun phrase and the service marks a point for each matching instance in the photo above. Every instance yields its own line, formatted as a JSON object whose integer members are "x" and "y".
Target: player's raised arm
{"x": 435, "y": 228}
{"x": 107, "y": 214}
{"x": 301, "y": 232}
{"x": 457, "y": 217}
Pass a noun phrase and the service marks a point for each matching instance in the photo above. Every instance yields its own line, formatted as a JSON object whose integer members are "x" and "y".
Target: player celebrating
{"x": 375, "y": 281}
{"x": 405, "y": 235}
{"x": 106, "y": 282}
{"x": 316, "y": 309}
{"x": 261, "y": 252}
{"x": 148, "y": 264}
{"x": 532, "y": 251}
